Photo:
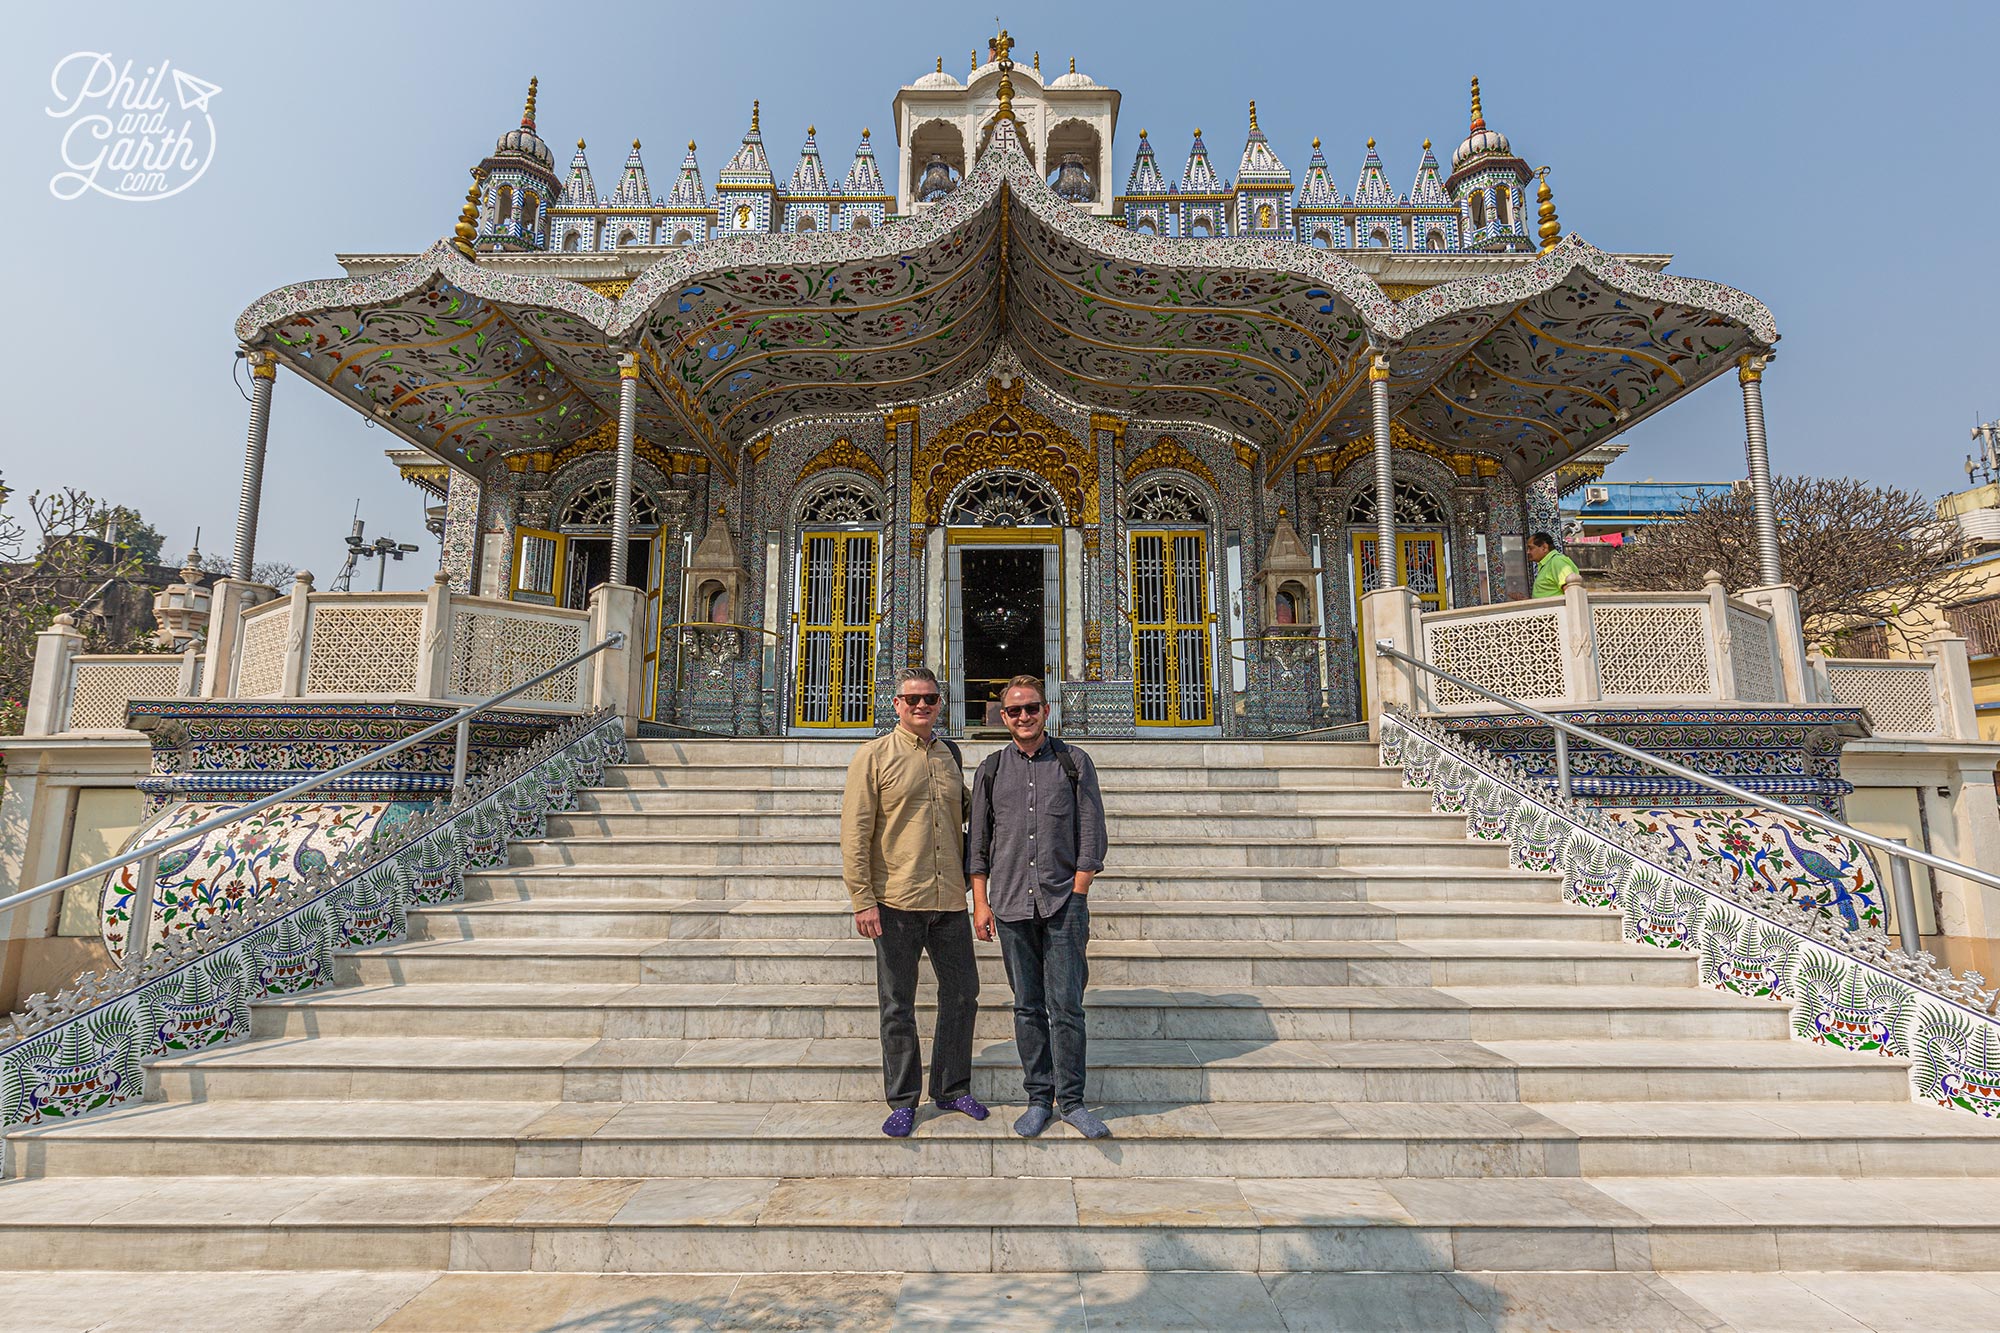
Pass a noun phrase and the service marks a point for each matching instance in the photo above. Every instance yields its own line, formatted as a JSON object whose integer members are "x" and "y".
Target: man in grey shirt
{"x": 1036, "y": 841}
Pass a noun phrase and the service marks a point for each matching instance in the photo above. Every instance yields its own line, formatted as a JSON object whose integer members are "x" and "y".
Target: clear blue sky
{"x": 1836, "y": 160}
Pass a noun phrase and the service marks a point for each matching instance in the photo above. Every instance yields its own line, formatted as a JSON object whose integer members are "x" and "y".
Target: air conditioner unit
{"x": 1597, "y": 495}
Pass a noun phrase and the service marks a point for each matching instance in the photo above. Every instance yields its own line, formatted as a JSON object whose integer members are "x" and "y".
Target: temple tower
{"x": 1491, "y": 185}
{"x": 518, "y": 185}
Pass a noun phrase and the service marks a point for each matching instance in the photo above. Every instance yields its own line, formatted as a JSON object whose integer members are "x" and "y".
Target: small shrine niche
{"x": 716, "y": 576}
{"x": 1287, "y": 581}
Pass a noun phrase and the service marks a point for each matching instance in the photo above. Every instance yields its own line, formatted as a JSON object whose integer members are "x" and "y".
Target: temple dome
{"x": 526, "y": 143}
{"x": 937, "y": 78}
{"x": 1073, "y": 79}
{"x": 1481, "y": 143}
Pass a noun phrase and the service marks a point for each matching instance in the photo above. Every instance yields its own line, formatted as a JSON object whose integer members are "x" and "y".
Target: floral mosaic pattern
{"x": 84, "y": 1050}
{"x": 1822, "y": 870}
{"x": 223, "y": 870}
{"x": 1702, "y": 882}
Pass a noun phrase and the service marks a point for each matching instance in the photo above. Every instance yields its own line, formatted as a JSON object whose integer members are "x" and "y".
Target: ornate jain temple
{"x": 968, "y": 405}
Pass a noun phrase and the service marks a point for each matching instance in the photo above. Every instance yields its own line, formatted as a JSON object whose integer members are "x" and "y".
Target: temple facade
{"x": 964, "y": 406}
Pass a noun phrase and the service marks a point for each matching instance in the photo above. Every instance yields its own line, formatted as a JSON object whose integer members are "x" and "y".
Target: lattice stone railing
{"x": 100, "y": 685}
{"x": 85, "y": 1050}
{"x": 1901, "y": 698}
{"x": 495, "y": 644}
{"x": 1846, "y": 988}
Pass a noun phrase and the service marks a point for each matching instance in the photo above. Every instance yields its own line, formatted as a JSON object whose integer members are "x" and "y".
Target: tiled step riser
{"x": 1124, "y": 828}
{"x": 1159, "y": 852}
{"x": 1359, "y": 1245}
{"x": 1005, "y": 1158}
{"x": 1121, "y": 886}
{"x": 1415, "y": 1022}
{"x": 1150, "y": 778}
{"x": 1222, "y": 756}
{"x": 692, "y": 923}
{"x": 995, "y": 1084}
{"x": 1172, "y": 973}
{"x": 692, "y": 801}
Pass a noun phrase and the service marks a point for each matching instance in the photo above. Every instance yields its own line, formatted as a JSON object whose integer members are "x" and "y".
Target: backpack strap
{"x": 1067, "y": 760}
{"x": 957, "y": 755}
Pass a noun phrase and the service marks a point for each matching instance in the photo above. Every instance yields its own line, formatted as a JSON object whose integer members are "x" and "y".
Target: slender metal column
{"x": 1750, "y": 374}
{"x": 628, "y": 417}
{"x": 1388, "y": 569}
{"x": 263, "y": 375}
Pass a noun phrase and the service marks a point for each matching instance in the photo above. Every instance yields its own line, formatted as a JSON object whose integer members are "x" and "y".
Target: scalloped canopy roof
{"x": 1532, "y": 365}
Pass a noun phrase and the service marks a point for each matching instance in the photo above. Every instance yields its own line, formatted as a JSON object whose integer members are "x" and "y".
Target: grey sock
{"x": 1086, "y": 1124}
{"x": 1033, "y": 1121}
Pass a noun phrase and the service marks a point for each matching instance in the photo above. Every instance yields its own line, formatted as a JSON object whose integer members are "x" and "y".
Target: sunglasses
{"x": 1023, "y": 710}
{"x": 919, "y": 700}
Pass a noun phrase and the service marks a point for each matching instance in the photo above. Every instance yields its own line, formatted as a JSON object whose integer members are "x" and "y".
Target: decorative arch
{"x": 573, "y": 485}
{"x": 1169, "y": 497}
{"x": 1005, "y": 433}
{"x": 840, "y": 497}
{"x": 1168, "y": 452}
{"x": 843, "y": 453}
{"x": 1004, "y": 497}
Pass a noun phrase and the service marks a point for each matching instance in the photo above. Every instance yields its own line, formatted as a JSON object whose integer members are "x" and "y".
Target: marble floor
{"x": 335, "y": 1302}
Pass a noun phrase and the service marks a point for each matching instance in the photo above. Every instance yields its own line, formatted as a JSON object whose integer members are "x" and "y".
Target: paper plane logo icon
{"x": 194, "y": 93}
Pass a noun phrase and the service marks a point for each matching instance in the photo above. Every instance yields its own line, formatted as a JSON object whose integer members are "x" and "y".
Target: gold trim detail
{"x": 1170, "y": 452}
{"x": 1749, "y": 368}
{"x": 758, "y": 448}
{"x": 611, "y": 287}
{"x": 1247, "y": 456}
{"x": 1335, "y": 461}
{"x": 1004, "y": 433}
{"x": 841, "y": 453}
{"x": 1397, "y": 291}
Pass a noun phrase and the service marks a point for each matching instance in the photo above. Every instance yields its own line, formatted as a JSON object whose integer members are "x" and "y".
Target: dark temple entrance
{"x": 1004, "y": 626}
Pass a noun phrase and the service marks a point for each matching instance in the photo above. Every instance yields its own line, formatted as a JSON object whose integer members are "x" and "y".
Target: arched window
{"x": 531, "y": 211}
{"x": 1478, "y": 210}
{"x": 1145, "y": 227}
{"x": 1501, "y": 209}
{"x": 572, "y": 242}
{"x": 1005, "y": 499}
{"x": 1200, "y": 228}
{"x": 1434, "y": 242}
{"x": 626, "y": 237}
{"x": 683, "y": 237}
{"x": 503, "y": 207}
{"x": 841, "y": 502}
{"x": 1166, "y": 501}
{"x": 1415, "y": 508}
{"x": 1322, "y": 239}
{"x": 1379, "y": 238}
{"x": 862, "y": 222}
{"x": 592, "y": 507}
{"x": 807, "y": 222}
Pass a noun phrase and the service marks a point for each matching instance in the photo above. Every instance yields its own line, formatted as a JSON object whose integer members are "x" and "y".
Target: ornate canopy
{"x": 1531, "y": 364}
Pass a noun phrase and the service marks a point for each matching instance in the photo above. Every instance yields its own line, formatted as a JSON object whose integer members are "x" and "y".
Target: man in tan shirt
{"x": 902, "y": 851}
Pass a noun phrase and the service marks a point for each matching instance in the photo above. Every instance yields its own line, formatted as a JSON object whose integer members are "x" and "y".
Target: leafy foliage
{"x": 1854, "y": 550}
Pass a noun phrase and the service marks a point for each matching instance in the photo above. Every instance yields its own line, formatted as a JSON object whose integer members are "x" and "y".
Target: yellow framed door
{"x": 835, "y": 655}
{"x": 1422, "y": 557}
{"x": 1173, "y": 667}
{"x": 539, "y": 557}
{"x": 653, "y": 633}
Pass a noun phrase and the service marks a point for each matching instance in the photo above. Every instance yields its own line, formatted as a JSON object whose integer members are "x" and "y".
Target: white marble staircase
{"x": 1350, "y": 1058}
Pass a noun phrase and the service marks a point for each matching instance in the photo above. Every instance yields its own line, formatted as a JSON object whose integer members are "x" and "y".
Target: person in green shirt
{"x": 1553, "y": 569}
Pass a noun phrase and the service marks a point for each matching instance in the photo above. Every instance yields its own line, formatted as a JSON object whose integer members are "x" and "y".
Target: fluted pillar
{"x": 621, "y": 512}
{"x": 1388, "y": 569}
{"x": 1764, "y": 513}
{"x": 263, "y": 376}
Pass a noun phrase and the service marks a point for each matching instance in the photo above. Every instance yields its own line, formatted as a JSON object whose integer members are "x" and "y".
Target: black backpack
{"x": 990, "y": 767}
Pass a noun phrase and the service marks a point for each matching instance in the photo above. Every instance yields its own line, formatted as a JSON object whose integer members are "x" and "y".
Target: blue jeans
{"x": 1048, "y": 969}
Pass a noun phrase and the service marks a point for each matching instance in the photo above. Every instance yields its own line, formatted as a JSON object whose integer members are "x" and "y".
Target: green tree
{"x": 130, "y": 531}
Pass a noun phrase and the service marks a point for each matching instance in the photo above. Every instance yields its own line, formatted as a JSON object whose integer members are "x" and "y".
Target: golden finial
{"x": 690, "y": 145}
{"x": 1001, "y": 47}
{"x": 755, "y": 111}
{"x": 579, "y": 145}
{"x": 1427, "y": 145}
{"x": 1551, "y": 230}
{"x": 1072, "y": 64}
{"x": 1197, "y": 131}
{"x": 635, "y": 145}
{"x": 1038, "y": 62}
{"x": 864, "y": 134}
{"x": 528, "y": 111}
{"x": 1142, "y": 134}
{"x": 468, "y": 220}
{"x": 812, "y": 131}
{"x": 940, "y": 68}
{"x": 1478, "y": 116}
{"x": 1253, "y": 115}
{"x": 975, "y": 62}
{"x": 1315, "y": 143}
{"x": 1371, "y": 143}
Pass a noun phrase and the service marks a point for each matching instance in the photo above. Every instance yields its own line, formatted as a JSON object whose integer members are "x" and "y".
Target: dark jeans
{"x": 947, "y": 938}
{"x": 1047, "y": 967}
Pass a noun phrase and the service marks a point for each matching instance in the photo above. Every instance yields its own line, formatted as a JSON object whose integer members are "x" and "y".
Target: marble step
{"x": 1160, "y": 1070}
{"x": 1168, "y": 777}
{"x": 1123, "y": 827}
{"x": 1121, "y": 883}
{"x": 1373, "y": 1139}
{"x": 1164, "y": 849}
{"x": 1177, "y": 963}
{"x": 815, "y": 800}
{"x": 327, "y": 1301}
{"x": 831, "y": 919}
{"x": 1219, "y": 755}
{"x": 947, "y": 1224}
{"x": 1290, "y": 1013}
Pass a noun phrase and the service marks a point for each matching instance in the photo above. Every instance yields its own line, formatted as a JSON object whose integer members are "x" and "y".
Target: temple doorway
{"x": 1004, "y": 593}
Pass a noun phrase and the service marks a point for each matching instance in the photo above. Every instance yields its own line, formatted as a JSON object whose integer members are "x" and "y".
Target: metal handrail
{"x": 1898, "y": 851}
{"x": 461, "y": 719}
